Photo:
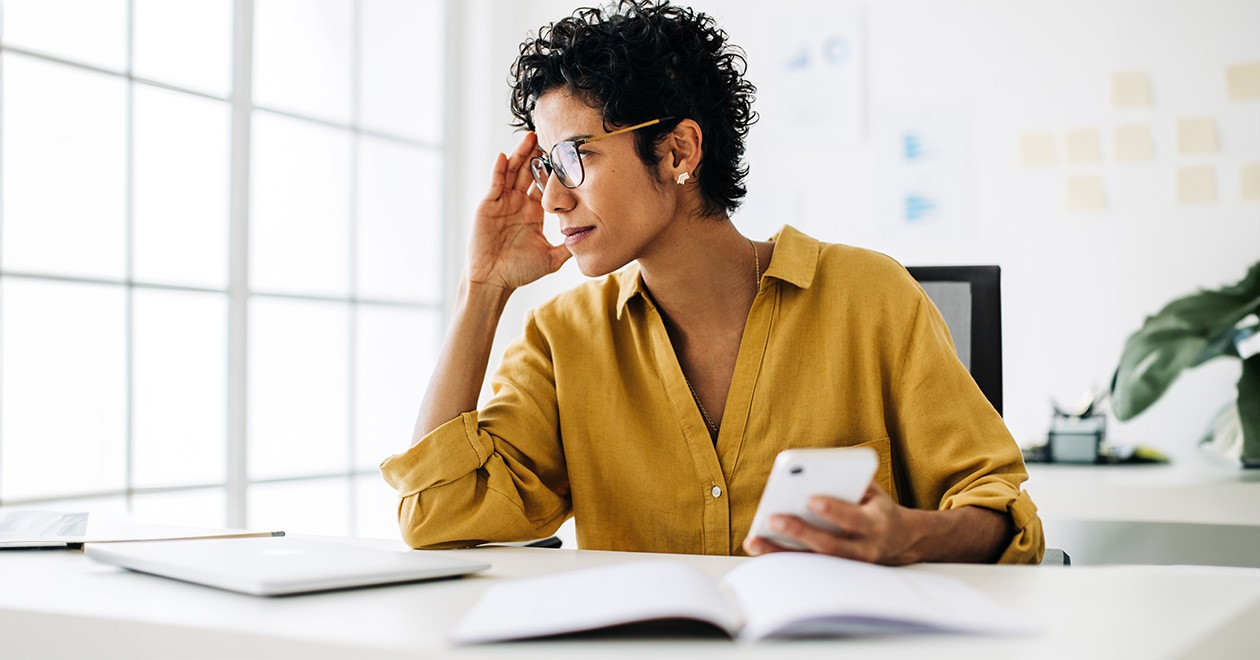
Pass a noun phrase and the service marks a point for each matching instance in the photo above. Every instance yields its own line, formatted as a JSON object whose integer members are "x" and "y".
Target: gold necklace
{"x": 713, "y": 428}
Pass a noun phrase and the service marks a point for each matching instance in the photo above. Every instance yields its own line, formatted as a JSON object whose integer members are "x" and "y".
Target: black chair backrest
{"x": 970, "y": 299}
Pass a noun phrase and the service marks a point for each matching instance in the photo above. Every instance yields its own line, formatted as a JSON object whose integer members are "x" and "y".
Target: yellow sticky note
{"x": 1039, "y": 149}
{"x": 1083, "y": 146}
{"x": 1196, "y": 185}
{"x": 1133, "y": 143}
{"x": 1243, "y": 81}
{"x": 1086, "y": 193}
{"x": 1249, "y": 182}
{"x": 1131, "y": 89}
{"x": 1197, "y": 135}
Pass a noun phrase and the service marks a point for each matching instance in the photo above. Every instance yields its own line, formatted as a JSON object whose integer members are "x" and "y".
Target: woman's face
{"x": 619, "y": 209}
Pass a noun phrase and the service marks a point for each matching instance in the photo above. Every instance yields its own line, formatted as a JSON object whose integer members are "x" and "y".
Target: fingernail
{"x": 817, "y": 505}
{"x": 777, "y": 524}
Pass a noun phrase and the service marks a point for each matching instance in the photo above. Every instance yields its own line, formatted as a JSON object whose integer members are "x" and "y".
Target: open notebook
{"x": 778, "y": 595}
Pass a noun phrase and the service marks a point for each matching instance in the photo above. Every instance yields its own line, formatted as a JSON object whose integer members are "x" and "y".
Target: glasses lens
{"x": 568, "y": 165}
{"x": 541, "y": 171}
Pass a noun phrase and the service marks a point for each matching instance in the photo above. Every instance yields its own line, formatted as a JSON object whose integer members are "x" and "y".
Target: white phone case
{"x": 798, "y": 474}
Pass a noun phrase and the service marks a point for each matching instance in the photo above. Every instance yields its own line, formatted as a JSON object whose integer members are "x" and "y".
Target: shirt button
{"x": 717, "y": 491}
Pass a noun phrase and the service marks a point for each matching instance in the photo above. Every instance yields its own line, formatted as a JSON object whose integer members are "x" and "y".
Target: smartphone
{"x": 798, "y": 474}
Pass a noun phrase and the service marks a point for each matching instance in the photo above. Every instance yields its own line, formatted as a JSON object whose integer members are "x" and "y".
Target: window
{"x": 220, "y": 255}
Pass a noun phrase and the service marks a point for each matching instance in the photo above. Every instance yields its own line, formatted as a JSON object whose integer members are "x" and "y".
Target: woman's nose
{"x": 556, "y": 197}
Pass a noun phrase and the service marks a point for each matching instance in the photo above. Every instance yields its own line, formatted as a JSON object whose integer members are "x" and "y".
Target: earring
{"x": 682, "y": 178}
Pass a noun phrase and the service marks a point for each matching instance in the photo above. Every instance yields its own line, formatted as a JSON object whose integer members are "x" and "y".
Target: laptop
{"x": 276, "y": 566}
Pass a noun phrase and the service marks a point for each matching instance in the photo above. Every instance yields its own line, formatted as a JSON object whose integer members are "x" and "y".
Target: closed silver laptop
{"x": 280, "y": 565}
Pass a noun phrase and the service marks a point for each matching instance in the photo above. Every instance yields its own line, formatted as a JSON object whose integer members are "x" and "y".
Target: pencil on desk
{"x": 241, "y": 535}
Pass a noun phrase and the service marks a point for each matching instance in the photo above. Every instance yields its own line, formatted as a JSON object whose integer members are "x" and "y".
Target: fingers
{"x": 518, "y": 174}
{"x": 868, "y": 532}
{"x": 497, "y": 177}
{"x": 823, "y": 541}
{"x": 524, "y": 181}
{"x": 756, "y": 545}
{"x": 873, "y": 491}
{"x": 559, "y": 255}
{"x": 525, "y": 149}
{"x": 846, "y": 515}
{"x": 512, "y": 171}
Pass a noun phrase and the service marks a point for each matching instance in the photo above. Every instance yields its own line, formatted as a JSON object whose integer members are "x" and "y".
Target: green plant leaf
{"x": 1224, "y": 344}
{"x": 1186, "y": 332}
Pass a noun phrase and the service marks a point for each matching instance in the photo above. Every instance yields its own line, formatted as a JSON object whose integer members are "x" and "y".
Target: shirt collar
{"x": 631, "y": 285}
{"x": 795, "y": 257}
{"x": 795, "y": 260}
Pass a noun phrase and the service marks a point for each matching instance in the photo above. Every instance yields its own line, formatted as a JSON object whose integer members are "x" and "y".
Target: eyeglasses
{"x": 566, "y": 161}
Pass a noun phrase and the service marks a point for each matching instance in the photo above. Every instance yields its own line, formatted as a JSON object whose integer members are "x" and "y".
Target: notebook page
{"x": 787, "y": 594}
{"x": 595, "y": 598}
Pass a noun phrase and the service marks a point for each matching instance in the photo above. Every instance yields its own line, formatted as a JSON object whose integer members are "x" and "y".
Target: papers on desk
{"x": 775, "y": 596}
{"x": 50, "y": 529}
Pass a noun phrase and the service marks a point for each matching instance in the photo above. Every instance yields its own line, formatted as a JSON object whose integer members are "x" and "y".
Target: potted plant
{"x": 1186, "y": 333}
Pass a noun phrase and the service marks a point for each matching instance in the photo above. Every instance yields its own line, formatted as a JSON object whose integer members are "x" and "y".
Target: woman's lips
{"x": 574, "y": 234}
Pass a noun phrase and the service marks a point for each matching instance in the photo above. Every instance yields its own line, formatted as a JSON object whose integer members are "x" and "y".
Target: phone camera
{"x": 796, "y": 469}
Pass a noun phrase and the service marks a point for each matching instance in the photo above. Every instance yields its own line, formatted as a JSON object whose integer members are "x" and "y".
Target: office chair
{"x": 970, "y": 299}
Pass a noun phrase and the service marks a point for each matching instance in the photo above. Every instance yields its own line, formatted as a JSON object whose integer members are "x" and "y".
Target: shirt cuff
{"x": 447, "y": 453}
{"x": 1027, "y": 544}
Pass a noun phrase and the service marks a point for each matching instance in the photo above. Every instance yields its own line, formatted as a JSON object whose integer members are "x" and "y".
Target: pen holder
{"x": 1076, "y": 439}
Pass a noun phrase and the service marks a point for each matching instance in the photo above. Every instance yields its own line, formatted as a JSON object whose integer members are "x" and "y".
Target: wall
{"x": 1075, "y": 283}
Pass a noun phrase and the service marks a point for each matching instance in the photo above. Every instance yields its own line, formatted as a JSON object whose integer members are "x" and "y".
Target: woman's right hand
{"x": 507, "y": 248}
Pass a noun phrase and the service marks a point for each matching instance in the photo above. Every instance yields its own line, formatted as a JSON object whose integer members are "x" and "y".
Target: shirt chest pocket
{"x": 883, "y": 473}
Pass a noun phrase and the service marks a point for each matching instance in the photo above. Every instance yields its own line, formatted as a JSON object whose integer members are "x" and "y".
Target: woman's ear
{"x": 683, "y": 149}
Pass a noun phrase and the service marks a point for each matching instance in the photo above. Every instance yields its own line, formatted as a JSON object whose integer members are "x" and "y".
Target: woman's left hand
{"x": 875, "y": 530}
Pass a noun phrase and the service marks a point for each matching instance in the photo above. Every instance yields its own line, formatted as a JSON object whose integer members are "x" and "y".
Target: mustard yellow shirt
{"x": 591, "y": 416}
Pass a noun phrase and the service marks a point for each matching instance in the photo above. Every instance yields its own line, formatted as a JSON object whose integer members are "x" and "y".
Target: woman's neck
{"x": 702, "y": 276}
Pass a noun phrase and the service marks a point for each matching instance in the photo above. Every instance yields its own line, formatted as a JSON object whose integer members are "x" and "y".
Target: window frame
{"x": 242, "y": 110}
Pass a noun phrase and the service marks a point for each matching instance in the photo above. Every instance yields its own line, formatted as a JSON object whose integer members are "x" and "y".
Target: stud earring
{"x": 682, "y": 178}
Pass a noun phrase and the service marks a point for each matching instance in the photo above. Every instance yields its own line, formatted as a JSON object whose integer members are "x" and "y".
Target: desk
{"x": 1189, "y": 512}
{"x": 62, "y": 604}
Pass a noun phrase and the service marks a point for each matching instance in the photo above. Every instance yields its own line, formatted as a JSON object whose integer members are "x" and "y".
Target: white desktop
{"x": 1190, "y": 511}
{"x": 60, "y": 604}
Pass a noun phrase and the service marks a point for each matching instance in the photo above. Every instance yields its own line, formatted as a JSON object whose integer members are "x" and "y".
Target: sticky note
{"x": 1039, "y": 149}
{"x": 1133, "y": 143}
{"x": 1243, "y": 81}
{"x": 1130, "y": 89}
{"x": 1249, "y": 182}
{"x": 1086, "y": 193}
{"x": 1083, "y": 146}
{"x": 1196, "y": 185}
{"x": 1197, "y": 135}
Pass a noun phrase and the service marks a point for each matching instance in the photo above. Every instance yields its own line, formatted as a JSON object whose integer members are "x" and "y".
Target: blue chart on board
{"x": 918, "y": 207}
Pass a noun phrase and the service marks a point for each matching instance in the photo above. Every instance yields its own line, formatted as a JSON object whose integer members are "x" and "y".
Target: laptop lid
{"x": 281, "y": 565}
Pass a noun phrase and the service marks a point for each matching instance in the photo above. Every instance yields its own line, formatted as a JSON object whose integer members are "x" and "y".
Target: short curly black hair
{"x": 639, "y": 60}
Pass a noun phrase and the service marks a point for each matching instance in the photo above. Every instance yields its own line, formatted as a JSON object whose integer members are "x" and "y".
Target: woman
{"x": 649, "y": 404}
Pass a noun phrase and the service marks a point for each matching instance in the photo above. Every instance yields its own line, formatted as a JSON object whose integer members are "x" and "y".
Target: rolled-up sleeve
{"x": 955, "y": 448}
{"x": 492, "y": 475}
